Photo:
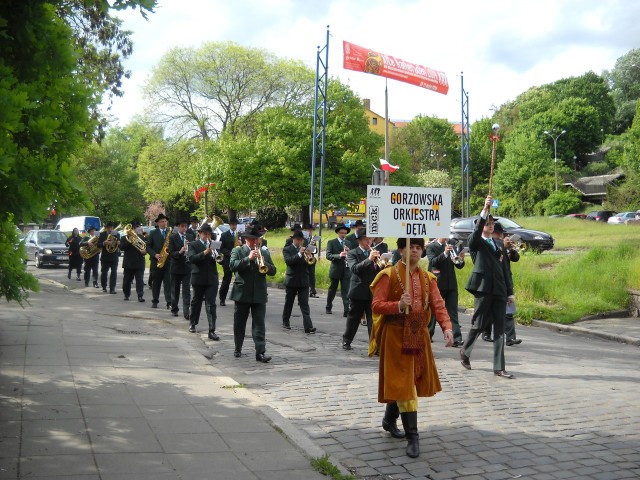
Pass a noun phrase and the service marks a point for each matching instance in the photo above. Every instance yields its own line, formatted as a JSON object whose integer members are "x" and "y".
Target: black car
{"x": 600, "y": 215}
{"x": 47, "y": 247}
{"x": 533, "y": 240}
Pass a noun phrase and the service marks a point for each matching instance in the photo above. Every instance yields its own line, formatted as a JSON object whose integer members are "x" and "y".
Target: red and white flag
{"x": 387, "y": 167}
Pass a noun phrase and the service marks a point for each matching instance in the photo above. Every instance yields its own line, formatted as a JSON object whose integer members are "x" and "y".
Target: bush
{"x": 272, "y": 217}
{"x": 562, "y": 203}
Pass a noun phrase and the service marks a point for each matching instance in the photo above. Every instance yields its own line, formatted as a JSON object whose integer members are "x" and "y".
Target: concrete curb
{"x": 586, "y": 331}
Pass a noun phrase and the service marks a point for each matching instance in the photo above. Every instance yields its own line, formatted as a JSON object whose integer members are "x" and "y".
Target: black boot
{"x": 391, "y": 415}
{"x": 410, "y": 424}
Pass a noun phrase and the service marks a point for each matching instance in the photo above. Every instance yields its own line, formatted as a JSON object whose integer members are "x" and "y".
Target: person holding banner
{"x": 363, "y": 263}
{"x": 489, "y": 283}
{"x": 407, "y": 368}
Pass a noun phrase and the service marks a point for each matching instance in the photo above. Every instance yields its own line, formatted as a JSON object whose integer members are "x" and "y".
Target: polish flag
{"x": 387, "y": 167}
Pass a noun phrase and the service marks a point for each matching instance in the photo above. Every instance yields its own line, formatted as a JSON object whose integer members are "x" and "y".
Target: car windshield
{"x": 506, "y": 223}
{"x": 223, "y": 228}
{"x": 51, "y": 237}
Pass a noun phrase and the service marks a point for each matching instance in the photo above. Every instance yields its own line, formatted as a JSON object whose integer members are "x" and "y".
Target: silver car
{"x": 47, "y": 247}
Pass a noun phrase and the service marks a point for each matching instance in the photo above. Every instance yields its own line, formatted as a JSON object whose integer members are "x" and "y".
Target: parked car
{"x": 581, "y": 216}
{"x": 600, "y": 215}
{"x": 622, "y": 217}
{"x": 47, "y": 247}
{"x": 461, "y": 228}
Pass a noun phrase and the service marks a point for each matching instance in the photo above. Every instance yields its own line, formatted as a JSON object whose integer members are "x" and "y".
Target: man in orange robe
{"x": 407, "y": 367}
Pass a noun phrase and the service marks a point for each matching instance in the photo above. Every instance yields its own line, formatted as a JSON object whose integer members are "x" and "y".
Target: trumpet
{"x": 262, "y": 267}
{"x": 311, "y": 250}
{"x": 215, "y": 253}
{"x": 380, "y": 262}
{"x": 455, "y": 257}
{"x": 516, "y": 241}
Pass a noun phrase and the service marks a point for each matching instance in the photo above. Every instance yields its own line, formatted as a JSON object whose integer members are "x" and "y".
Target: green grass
{"x": 323, "y": 466}
{"x": 589, "y": 271}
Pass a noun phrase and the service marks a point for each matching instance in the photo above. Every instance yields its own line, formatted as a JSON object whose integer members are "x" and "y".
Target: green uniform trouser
{"x": 240, "y": 316}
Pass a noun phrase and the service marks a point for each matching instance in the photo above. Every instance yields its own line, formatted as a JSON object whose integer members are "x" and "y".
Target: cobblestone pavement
{"x": 572, "y": 411}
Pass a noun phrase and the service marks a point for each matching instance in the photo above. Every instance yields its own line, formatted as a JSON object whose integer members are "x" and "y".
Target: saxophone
{"x": 132, "y": 237}
{"x": 91, "y": 249}
{"x": 164, "y": 253}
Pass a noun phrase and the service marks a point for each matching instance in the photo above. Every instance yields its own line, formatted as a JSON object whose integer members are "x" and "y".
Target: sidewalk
{"x": 88, "y": 393}
{"x": 617, "y": 329}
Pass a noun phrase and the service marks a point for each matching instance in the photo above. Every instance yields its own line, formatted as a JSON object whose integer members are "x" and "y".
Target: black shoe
{"x": 126, "y": 299}
{"x": 313, "y": 295}
{"x": 192, "y": 328}
{"x": 140, "y": 299}
{"x": 310, "y": 330}
{"x": 154, "y": 305}
{"x": 410, "y": 424}
{"x": 222, "y": 304}
{"x": 168, "y": 306}
{"x": 112, "y": 292}
{"x": 503, "y": 374}
{"x": 237, "y": 353}
{"x": 186, "y": 315}
{"x": 95, "y": 285}
{"x": 464, "y": 360}
{"x": 328, "y": 311}
{"x": 487, "y": 338}
{"x": 213, "y": 336}
{"x": 515, "y": 341}
{"x": 389, "y": 422}
{"x": 457, "y": 343}
{"x": 78, "y": 278}
{"x": 286, "y": 325}
{"x": 261, "y": 357}
{"x": 346, "y": 346}
{"x": 69, "y": 275}
{"x": 104, "y": 290}
{"x": 86, "y": 284}
{"x": 175, "y": 314}
{"x": 345, "y": 314}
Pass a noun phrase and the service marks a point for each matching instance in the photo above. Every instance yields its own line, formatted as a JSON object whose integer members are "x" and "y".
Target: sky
{"x": 504, "y": 47}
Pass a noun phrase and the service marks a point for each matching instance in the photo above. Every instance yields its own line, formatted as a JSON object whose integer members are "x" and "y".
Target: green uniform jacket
{"x": 228, "y": 242}
{"x": 249, "y": 285}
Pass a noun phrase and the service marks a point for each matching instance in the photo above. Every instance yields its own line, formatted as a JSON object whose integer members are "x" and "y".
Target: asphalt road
{"x": 571, "y": 412}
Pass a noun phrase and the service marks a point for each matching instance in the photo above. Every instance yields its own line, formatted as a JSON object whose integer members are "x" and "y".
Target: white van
{"x": 81, "y": 223}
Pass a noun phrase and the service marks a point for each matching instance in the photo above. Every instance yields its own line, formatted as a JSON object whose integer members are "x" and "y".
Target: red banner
{"x": 364, "y": 60}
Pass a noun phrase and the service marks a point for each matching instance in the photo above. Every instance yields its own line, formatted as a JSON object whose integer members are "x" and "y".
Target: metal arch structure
{"x": 319, "y": 127}
{"x": 464, "y": 151}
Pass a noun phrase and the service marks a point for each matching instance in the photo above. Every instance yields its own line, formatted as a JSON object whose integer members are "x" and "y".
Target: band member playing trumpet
{"x": 296, "y": 281}
{"x": 229, "y": 239}
{"x": 441, "y": 264}
{"x": 180, "y": 268}
{"x": 133, "y": 264}
{"x": 364, "y": 266}
{"x": 251, "y": 264}
{"x": 90, "y": 264}
{"x": 204, "y": 280}
{"x": 108, "y": 242}
{"x": 337, "y": 250}
{"x": 155, "y": 244}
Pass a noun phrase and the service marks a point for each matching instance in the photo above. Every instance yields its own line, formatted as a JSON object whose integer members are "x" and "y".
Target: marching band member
{"x": 180, "y": 269}
{"x": 133, "y": 264}
{"x": 296, "y": 281}
{"x": 251, "y": 264}
{"x": 108, "y": 242}
{"x": 229, "y": 240}
{"x": 155, "y": 242}
{"x": 336, "y": 253}
{"x": 204, "y": 280}
{"x": 90, "y": 264}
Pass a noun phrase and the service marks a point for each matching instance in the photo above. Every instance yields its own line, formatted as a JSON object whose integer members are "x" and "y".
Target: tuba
{"x": 132, "y": 237}
{"x": 164, "y": 253}
{"x": 213, "y": 221}
{"x": 91, "y": 249}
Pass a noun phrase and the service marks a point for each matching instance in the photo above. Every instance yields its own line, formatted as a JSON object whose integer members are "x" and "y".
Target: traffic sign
{"x": 495, "y": 203}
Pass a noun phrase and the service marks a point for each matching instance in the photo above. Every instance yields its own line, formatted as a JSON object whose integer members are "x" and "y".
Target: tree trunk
{"x": 304, "y": 214}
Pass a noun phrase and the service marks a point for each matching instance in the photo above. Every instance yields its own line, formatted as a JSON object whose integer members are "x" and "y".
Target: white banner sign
{"x": 408, "y": 212}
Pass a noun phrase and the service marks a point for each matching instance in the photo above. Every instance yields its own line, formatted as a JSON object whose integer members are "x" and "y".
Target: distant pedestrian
{"x": 75, "y": 259}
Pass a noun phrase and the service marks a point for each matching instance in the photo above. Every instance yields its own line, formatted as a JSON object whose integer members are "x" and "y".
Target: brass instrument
{"x": 455, "y": 257}
{"x": 91, "y": 249}
{"x": 215, "y": 253}
{"x": 132, "y": 237}
{"x": 262, "y": 267}
{"x": 213, "y": 221}
{"x": 164, "y": 253}
{"x": 517, "y": 242}
{"x": 111, "y": 243}
{"x": 378, "y": 261}
{"x": 311, "y": 250}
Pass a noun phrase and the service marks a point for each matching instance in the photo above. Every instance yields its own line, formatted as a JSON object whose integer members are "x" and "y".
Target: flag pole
{"x": 386, "y": 129}
{"x": 407, "y": 277}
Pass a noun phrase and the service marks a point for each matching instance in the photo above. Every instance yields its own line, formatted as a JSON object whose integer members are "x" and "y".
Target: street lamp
{"x": 555, "y": 151}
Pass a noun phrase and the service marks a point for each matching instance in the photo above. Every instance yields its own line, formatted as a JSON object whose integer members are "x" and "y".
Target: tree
{"x": 45, "y": 117}
{"x": 624, "y": 81}
{"x": 202, "y": 92}
{"x": 562, "y": 202}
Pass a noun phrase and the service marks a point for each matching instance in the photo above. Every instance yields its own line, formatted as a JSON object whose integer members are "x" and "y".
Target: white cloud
{"x": 504, "y": 47}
